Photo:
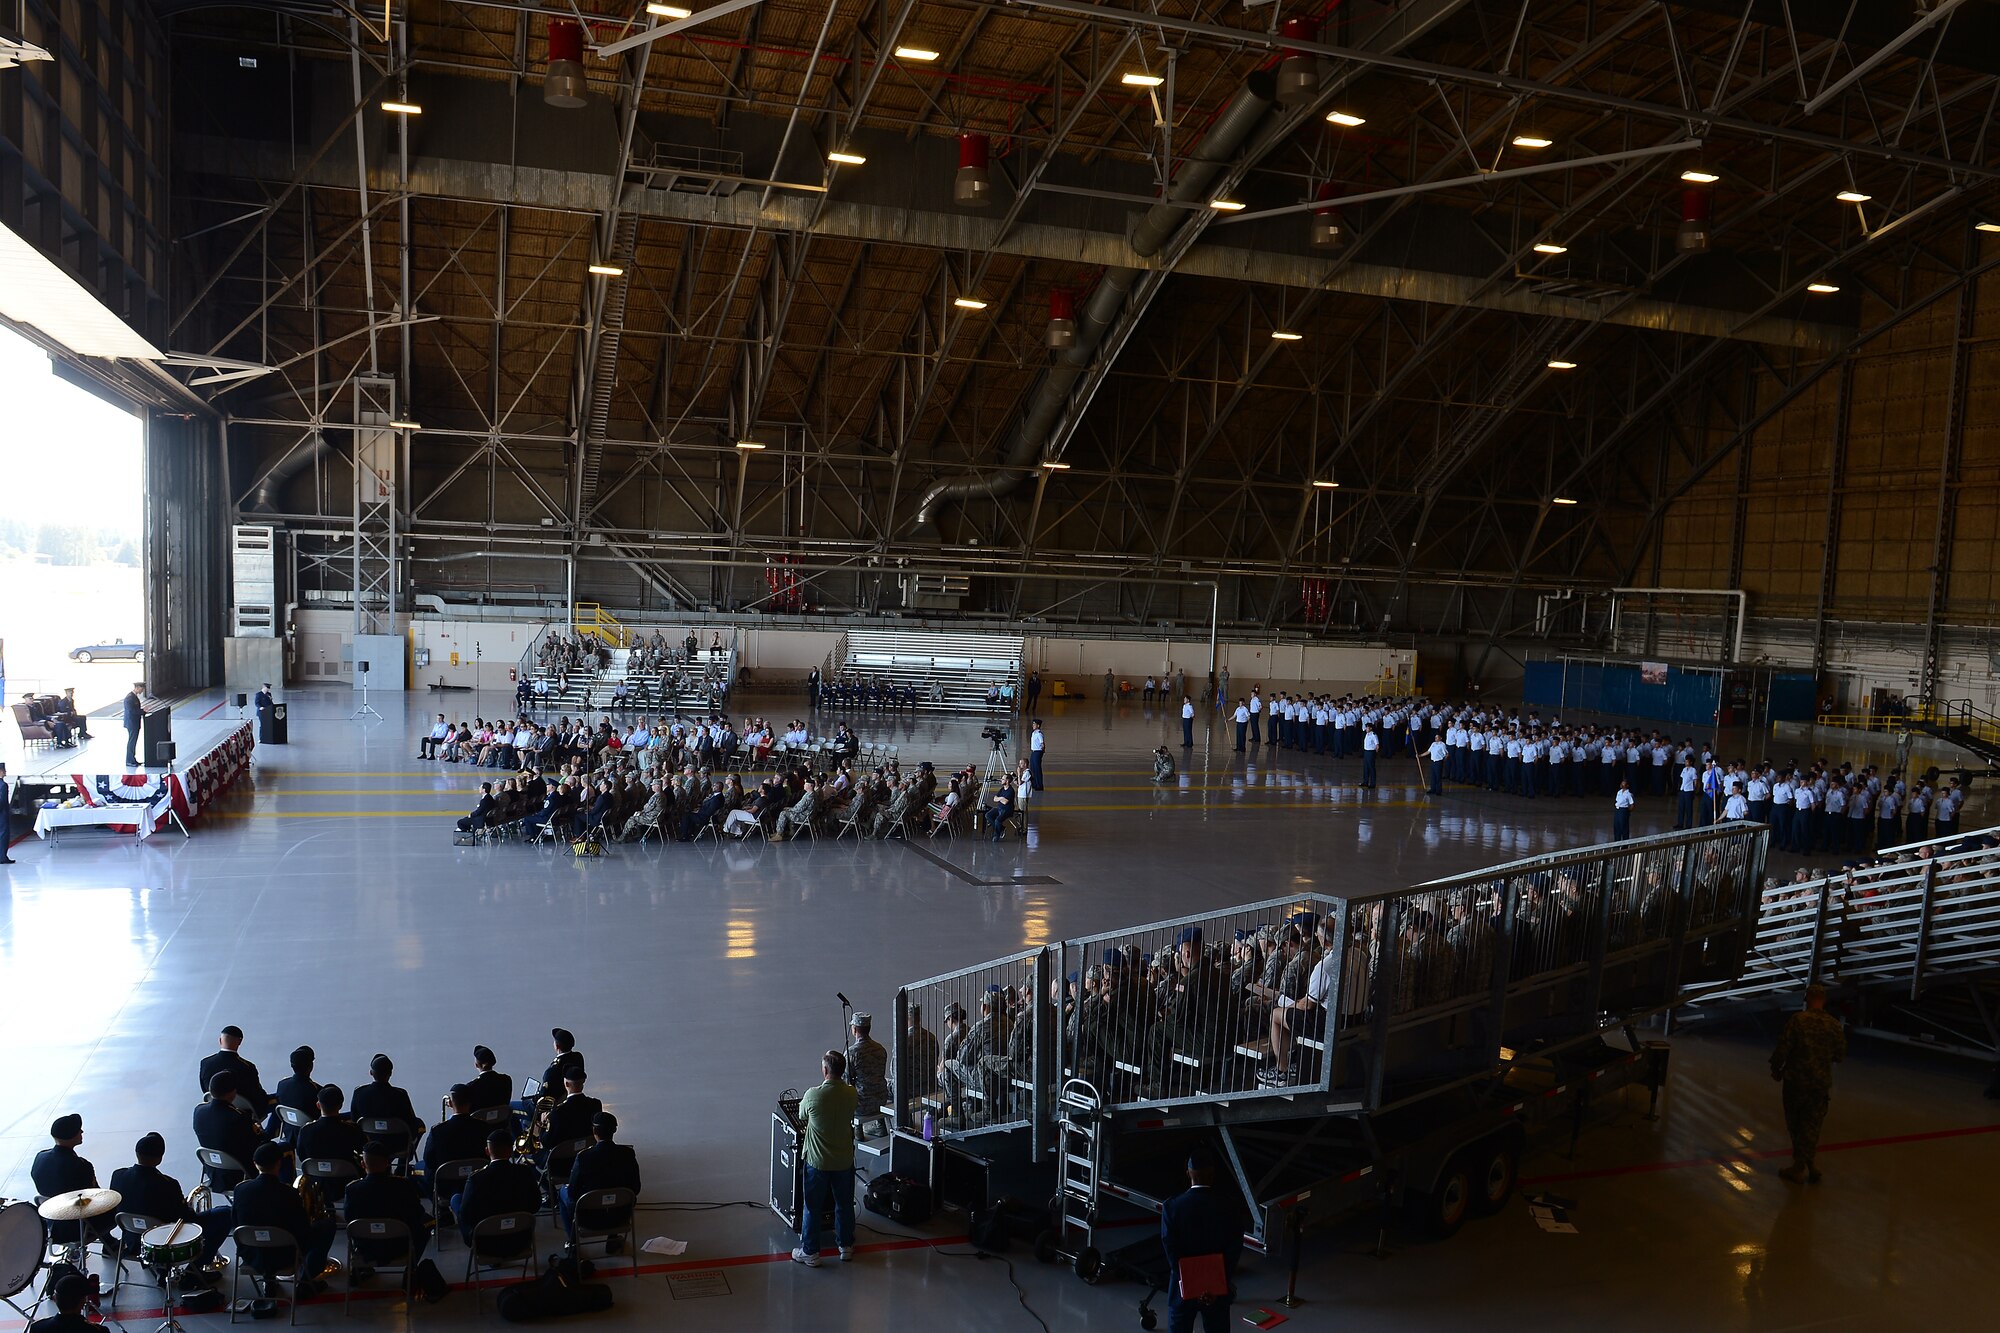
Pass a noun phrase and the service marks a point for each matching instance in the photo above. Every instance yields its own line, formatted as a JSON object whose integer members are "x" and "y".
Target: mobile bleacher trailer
{"x": 1467, "y": 1013}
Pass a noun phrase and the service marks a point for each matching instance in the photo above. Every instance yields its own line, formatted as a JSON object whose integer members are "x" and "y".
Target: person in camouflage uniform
{"x": 867, "y": 1067}
{"x": 1812, "y": 1042}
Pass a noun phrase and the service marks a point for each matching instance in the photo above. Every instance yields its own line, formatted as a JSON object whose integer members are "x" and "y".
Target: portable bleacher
{"x": 946, "y": 669}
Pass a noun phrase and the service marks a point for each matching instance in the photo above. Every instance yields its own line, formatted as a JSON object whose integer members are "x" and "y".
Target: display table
{"x": 119, "y": 818}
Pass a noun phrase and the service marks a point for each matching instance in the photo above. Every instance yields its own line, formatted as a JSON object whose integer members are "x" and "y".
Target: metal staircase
{"x": 1964, "y": 726}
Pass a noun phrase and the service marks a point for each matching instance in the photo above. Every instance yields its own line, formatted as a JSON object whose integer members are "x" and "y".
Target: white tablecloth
{"x": 48, "y": 821}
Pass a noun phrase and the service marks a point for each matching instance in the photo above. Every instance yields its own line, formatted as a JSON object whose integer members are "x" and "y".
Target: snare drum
{"x": 171, "y": 1245}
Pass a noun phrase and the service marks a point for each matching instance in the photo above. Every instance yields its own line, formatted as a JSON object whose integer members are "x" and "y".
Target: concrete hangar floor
{"x": 325, "y": 904}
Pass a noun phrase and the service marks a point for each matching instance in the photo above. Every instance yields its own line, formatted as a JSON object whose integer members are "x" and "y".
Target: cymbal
{"x": 77, "y": 1205}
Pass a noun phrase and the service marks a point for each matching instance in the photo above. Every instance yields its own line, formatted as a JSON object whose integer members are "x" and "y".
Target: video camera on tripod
{"x": 996, "y": 735}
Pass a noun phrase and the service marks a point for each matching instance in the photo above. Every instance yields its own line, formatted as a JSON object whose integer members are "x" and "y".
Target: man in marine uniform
{"x": 1811, "y": 1044}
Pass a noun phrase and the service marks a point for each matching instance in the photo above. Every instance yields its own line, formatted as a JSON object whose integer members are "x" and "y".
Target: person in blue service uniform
{"x": 135, "y": 717}
{"x": 1187, "y": 723}
{"x": 6, "y": 817}
{"x": 266, "y": 704}
{"x": 1621, "y": 813}
{"x": 1193, "y": 1224}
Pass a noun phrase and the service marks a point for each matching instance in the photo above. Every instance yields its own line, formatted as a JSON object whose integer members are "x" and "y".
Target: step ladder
{"x": 1080, "y": 1152}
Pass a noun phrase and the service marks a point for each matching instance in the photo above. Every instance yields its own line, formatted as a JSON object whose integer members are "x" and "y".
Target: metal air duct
{"x": 1209, "y": 159}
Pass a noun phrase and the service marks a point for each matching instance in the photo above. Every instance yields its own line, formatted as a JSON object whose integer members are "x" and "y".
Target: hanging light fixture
{"x": 1298, "y": 71}
{"x": 1328, "y": 231}
{"x": 1062, "y": 319}
{"x": 1697, "y": 217}
{"x": 974, "y": 186}
{"x": 564, "y": 84}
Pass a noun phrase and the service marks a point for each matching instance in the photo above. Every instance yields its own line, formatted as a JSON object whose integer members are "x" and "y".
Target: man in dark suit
{"x": 482, "y": 812}
{"x": 331, "y": 1134}
{"x": 298, "y": 1092}
{"x": 135, "y": 718}
{"x": 488, "y": 1087}
{"x": 58, "y": 1169}
{"x": 223, "y": 1123}
{"x": 248, "y": 1085}
{"x": 1199, "y": 1222}
{"x": 603, "y": 1165}
{"x": 457, "y": 1137}
{"x": 705, "y": 813}
{"x": 6, "y": 817}
{"x": 269, "y": 1200}
{"x": 501, "y": 1186}
{"x": 150, "y": 1192}
{"x": 393, "y": 1198}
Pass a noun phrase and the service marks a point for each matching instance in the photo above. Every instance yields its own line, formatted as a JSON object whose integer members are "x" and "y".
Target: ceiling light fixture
{"x": 1532, "y": 141}
{"x": 1285, "y": 336}
{"x": 404, "y": 425}
{"x": 1853, "y": 197}
{"x": 1561, "y": 500}
{"x": 1326, "y": 485}
{"x": 669, "y": 12}
{"x": 1227, "y": 205}
{"x": 1986, "y": 226}
{"x": 846, "y": 158}
{"x": 1562, "y": 365}
{"x": 1550, "y": 248}
{"x": 608, "y": 270}
{"x": 917, "y": 53}
{"x": 1822, "y": 288}
{"x": 968, "y": 303}
{"x": 1346, "y": 118}
{"x": 1697, "y": 176}
{"x": 1049, "y": 464}
{"x": 403, "y": 108}
{"x": 1131, "y": 80}
{"x": 749, "y": 445}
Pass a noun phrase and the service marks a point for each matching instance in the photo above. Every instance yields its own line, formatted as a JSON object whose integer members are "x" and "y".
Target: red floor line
{"x": 611, "y": 1267}
{"x": 1756, "y": 1155}
{"x": 211, "y": 712}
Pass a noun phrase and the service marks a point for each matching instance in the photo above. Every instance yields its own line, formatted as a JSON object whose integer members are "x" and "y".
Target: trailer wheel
{"x": 1089, "y": 1264}
{"x": 1045, "y": 1247}
{"x": 1147, "y": 1319}
{"x": 1447, "y": 1206}
{"x": 1499, "y": 1167}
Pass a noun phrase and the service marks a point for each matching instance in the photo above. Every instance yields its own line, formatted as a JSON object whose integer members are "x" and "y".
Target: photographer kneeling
{"x": 1163, "y": 766}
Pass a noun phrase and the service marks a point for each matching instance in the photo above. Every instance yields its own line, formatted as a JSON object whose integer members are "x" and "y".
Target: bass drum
{"x": 24, "y": 1238}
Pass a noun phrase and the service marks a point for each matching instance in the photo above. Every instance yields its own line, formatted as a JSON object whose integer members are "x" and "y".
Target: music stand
{"x": 361, "y": 675}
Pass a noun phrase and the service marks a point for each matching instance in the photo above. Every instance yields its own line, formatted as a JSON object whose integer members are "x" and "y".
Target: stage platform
{"x": 212, "y": 753}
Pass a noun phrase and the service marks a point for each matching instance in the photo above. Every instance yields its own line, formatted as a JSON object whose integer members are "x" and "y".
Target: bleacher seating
{"x": 946, "y": 670}
{"x": 681, "y": 686}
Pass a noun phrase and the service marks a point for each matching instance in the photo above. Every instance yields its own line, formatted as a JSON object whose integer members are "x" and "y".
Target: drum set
{"x": 170, "y": 1250}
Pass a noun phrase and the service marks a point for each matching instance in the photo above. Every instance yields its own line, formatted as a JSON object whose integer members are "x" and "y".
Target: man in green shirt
{"x": 826, "y": 1133}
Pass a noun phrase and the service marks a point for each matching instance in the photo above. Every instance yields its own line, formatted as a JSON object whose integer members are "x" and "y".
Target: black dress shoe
{"x": 6, "y": 860}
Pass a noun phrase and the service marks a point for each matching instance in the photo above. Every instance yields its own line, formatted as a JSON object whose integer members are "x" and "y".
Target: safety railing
{"x": 1921, "y": 913}
{"x": 592, "y": 619}
{"x": 1414, "y": 989}
{"x": 969, "y": 1046}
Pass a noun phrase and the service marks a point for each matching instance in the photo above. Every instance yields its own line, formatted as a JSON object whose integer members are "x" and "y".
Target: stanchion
{"x": 1292, "y": 1301}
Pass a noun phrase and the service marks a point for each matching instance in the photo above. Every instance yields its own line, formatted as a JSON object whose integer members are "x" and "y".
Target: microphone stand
{"x": 841, "y": 1045}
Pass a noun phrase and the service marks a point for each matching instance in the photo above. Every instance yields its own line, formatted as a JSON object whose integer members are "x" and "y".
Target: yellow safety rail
{"x": 594, "y": 620}
{"x": 1980, "y": 728}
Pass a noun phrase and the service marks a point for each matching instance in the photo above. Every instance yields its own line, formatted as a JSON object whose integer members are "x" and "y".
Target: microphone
{"x": 843, "y": 1000}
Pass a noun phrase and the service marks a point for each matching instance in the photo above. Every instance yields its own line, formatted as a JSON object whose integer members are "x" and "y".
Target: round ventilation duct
{"x": 1298, "y": 71}
{"x": 564, "y": 84}
{"x": 1697, "y": 217}
{"x": 1062, "y": 318}
{"x": 974, "y": 187}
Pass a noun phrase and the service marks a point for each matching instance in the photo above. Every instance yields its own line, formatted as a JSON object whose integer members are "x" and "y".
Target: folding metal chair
{"x": 274, "y": 1240}
{"x": 380, "y": 1231}
{"x": 500, "y": 1226}
{"x": 451, "y": 1178}
{"x": 620, "y": 1205}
